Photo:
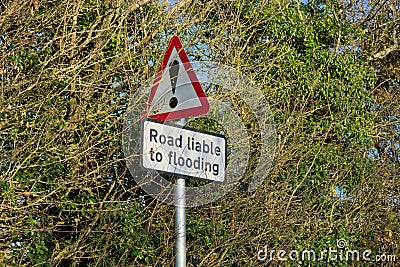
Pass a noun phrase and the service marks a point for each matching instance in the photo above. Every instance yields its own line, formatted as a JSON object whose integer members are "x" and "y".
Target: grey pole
{"x": 180, "y": 219}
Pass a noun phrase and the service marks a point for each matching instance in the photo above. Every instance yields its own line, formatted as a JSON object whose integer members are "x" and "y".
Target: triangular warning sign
{"x": 176, "y": 92}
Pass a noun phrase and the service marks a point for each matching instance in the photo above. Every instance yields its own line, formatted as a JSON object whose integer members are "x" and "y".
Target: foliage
{"x": 68, "y": 69}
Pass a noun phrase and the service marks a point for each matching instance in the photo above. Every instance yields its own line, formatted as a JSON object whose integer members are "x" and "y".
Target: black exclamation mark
{"x": 173, "y": 74}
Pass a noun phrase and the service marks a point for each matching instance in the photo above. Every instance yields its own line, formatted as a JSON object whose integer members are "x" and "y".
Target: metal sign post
{"x": 180, "y": 219}
{"x": 184, "y": 153}
{"x": 180, "y": 151}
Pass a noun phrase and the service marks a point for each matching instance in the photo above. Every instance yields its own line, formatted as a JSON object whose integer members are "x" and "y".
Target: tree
{"x": 68, "y": 69}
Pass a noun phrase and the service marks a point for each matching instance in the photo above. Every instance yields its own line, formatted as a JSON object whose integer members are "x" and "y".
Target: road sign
{"x": 183, "y": 151}
{"x": 176, "y": 92}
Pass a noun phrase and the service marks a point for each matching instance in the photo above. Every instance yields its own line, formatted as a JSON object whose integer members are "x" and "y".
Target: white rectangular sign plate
{"x": 183, "y": 151}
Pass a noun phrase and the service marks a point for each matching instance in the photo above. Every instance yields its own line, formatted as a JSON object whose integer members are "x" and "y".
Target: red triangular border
{"x": 173, "y": 115}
